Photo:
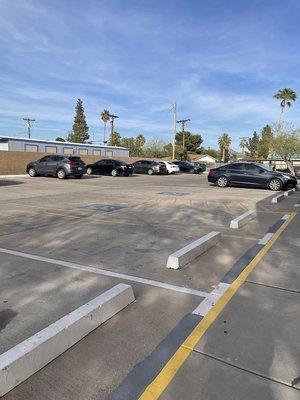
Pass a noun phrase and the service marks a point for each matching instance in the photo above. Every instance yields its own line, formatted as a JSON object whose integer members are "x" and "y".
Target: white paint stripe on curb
{"x": 285, "y": 217}
{"x": 105, "y": 272}
{"x": 242, "y": 219}
{"x": 211, "y": 300}
{"x": 278, "y": 198}
{"x": 28, "y": 357}
{"x": 266, "y": 238}
{"x": 191, "y": 251}
{"x": 289, "y": 192}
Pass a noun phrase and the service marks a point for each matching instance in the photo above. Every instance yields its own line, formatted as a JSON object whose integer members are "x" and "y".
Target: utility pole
{"x": 29, "y": 124}
{"x": 112, "y": 118}
{"x": 174, "y": 109}
{"x": 183, "y": 122}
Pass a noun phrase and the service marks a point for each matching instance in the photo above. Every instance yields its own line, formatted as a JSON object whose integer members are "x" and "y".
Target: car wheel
{"x": 32, "y": 172}
{"x": 114, "y": 172}
{"x": 150, "y": 171}
{"x": 275, "y": 184}
{"x": 61, "y": 174}
{"x": 89, "y": 171}
{"x": 222, "y": 181}
{"x": 78, "y": 176}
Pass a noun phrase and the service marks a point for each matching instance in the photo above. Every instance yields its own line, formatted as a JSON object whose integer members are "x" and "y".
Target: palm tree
{"x": 286, "y": 97}
{"x": 243, "y": 143}
{"x": 105, "y": 116}
{"x": 224, "y": 143}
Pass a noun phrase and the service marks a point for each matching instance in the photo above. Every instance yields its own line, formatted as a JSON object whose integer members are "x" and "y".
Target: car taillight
{"x": 212, "y": 172}
{"x": 72, "y": 163}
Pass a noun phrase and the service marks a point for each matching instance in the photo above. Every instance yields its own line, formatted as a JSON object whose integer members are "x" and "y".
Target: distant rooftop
{"x": 59, "y": 142}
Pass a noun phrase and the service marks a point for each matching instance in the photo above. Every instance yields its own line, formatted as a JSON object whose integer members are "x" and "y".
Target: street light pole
{"x": 174, "y": 109}
{"x": 29, "y": 125}
{"x": 183, "y": 122}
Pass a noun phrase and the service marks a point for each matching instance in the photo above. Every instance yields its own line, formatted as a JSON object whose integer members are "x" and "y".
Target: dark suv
{"x": 149, "y": 167}
{"x": 185, "y": 166}
{"x": 57, "y": 165}
{"x": 251, "y": 174}
{"x": 110, "y": 167}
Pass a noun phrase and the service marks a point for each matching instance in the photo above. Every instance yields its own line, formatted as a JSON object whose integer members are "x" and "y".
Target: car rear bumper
{"x": 76, "y": 171}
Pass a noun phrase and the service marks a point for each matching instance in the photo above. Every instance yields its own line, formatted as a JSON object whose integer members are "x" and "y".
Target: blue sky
{"x": 220, "y": 60}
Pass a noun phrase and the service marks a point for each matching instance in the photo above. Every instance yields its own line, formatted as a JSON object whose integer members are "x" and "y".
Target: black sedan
{"x": 149, "y": 167}
{"x": 251, "y": 174}
{"x": 185, "y": 166}
{"x": 110, "y": 167}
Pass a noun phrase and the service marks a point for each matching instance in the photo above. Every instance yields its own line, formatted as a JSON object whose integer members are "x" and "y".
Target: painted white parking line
{"x": 105, "y": 272}
{"x": 265, "y": 238}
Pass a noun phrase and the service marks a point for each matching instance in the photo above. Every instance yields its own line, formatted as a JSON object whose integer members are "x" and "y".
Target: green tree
{"x": 286, "y": 145}
{"x": 135, "y": 145}
{"x": 155, "y": 148}
{"x": 115, "y": 139}
{"x": 191, "y": 141}
{"x": 105, "y": 118}
{"x": 286, "y": 96}
{"x": 252, "y": 145}
{"x": 80, "y": 129}
{"x": 59, "y": 139}
{"x": 210, "y": 152}
{"x": 224, "y": 143}
{"x": 243, "y": 144}
{"x": 265, "y": 142}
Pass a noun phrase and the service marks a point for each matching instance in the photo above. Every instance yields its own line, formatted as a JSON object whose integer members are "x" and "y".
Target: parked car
{"x": 171, "y": 168}
{"x": 149, "y": 167}
{"x": 186, "y": 166}
{"x": 57, "y": 165}
{"x": 110, "y": 167}
{"x": 201, "y": 165}
{"x": 251, "y": 174}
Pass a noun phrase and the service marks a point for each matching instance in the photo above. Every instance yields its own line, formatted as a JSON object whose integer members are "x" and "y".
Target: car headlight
{"x": 287, "y": 176}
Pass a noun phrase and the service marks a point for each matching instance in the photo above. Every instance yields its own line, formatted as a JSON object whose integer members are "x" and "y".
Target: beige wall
{"x": 14, "y": 162}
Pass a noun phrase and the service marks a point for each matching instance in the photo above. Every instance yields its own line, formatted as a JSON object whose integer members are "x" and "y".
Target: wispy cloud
{"x": 221, "y": 63}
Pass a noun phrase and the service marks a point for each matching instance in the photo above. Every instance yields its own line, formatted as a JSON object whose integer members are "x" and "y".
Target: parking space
{"x": 63, "y": 243}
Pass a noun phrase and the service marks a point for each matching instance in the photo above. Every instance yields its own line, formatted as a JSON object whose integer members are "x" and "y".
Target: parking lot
{"x": 63, "y": 243}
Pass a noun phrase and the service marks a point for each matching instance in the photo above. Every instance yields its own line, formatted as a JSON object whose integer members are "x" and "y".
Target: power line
{"x": 29, "y": 125}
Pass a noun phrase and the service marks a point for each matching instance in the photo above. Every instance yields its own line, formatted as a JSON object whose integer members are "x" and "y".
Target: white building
{"x": 205, "y": 158}
{"x": 8, "y": 143}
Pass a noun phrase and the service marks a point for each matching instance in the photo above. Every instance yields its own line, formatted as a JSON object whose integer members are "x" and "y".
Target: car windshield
{"x": 76, "y": 159}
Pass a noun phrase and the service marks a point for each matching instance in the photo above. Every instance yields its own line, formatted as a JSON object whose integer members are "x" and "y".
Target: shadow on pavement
{"x": 10, "y": 182}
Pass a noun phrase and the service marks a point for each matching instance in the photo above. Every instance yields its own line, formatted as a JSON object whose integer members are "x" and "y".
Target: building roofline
{"x": 59, "y": 142}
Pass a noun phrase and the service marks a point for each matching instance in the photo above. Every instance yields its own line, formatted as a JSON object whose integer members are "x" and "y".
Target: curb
{"x": 278, "y": 198}
{"x": 28, "y": 357}
{"x": 242, "y": 219}
{"x": 188, "y": 253}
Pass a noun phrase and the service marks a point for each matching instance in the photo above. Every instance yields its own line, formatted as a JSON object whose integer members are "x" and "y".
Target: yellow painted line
{"x": 155, "y": 389}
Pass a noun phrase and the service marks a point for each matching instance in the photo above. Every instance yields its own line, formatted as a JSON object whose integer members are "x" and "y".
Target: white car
{"x": 171, "y": 168}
